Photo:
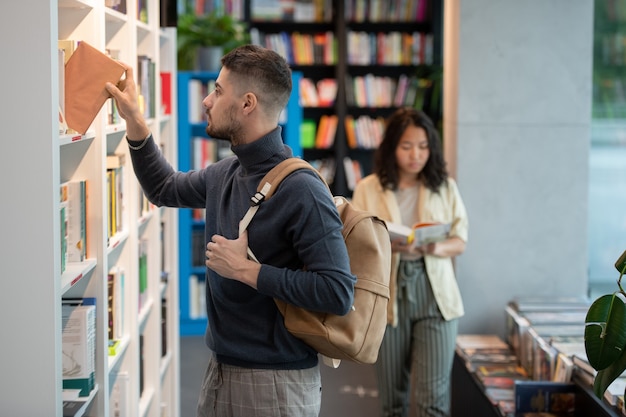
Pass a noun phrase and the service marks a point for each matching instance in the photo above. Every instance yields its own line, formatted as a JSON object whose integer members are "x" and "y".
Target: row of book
{"x": 364, "y": 48}
{"x": 353, "y": 171}
{"x": 386, "y": 10}
{"x": 299, "y": 48}
{"x": 73, "y": 211}
{"x": 197, "y": 297}
{"x": 206, "y": 151}
{"x": 79, "y": 337}
{"x": 198, "y": 90}
{"x": 367, "y": 91}
{"x": 507, "y": 385}
{"x": 535, "y": 368}
{"x": 392, "y": 48}
{"x": 362, "y": 132}
{"x": 355, "y": 10}
{"x": 115, "y": 194}
{"x": 320, "y": 136}
{"x": 379, "y": 91}
{"x": 548, "y": 338}
{"x": 74, "y": 196}
{"x": 291, "y": 11}
{"x": 321, "y": 93}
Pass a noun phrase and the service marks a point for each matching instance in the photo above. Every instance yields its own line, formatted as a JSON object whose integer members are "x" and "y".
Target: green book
{"x": 307, "y": 133}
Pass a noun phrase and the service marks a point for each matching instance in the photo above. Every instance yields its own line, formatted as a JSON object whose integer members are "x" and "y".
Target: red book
{"x": 166, "y": 92}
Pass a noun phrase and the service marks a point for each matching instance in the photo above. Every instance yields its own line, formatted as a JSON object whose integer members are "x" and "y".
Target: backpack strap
{"x": 268, "y": 186}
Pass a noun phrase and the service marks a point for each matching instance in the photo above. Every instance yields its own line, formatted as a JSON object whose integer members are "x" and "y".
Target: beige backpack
{"x": 357, "y": 335}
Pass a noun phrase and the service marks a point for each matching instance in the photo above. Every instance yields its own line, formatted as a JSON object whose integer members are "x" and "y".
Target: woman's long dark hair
{"x": 385, "y": 166}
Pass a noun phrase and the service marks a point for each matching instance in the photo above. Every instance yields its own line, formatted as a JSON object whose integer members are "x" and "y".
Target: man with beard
{"x": 256, "y": 367}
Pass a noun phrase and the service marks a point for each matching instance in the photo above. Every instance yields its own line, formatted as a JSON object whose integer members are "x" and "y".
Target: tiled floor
{"x": 349, "y": 390}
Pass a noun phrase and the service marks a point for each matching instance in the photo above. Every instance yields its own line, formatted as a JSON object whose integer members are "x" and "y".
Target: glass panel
{"x": 607, "y": 167}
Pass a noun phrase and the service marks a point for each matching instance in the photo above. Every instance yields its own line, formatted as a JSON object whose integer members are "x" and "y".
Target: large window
{"x": 607, "y": 169}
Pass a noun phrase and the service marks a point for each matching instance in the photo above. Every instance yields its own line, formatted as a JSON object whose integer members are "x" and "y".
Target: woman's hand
{"x": 401, "y": 247}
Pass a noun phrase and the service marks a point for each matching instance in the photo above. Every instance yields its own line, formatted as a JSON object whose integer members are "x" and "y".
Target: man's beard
{"x": 230, "y": 131}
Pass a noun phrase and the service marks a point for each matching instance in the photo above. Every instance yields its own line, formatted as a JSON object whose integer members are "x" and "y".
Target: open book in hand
{"x": 420, "y": 234}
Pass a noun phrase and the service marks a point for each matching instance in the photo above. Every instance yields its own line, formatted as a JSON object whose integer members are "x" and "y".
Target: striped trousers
{"x": 420, "y": 348}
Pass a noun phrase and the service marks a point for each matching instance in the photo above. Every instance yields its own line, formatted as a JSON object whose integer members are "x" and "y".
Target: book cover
{"x": 516, "y": 327}
{"x": 86, "y": 72}
{"x": 505, "y": 382}
{"x": 489, "y": 356}
{"x": 115, "y": 303}
{"x": 480, "y": 341}
{"x": 563, "y": 368}
{"x": 166, "y": 92}
{"x": 544, "y": 359}
{"x": 496, "y": 395}
{"x": 419, "y": 234}
{"x": 78, "y": 345}
{"x": 513, "y": 371}
{"x": 143, "y": 272}
{"x": 484, "y": 349}
{"x": 308, "y": 130}
{"x": 113, "y": 347}
{"x": 545, "y": 396}
{"x": 63, "y": 235}
{"x": 76, "y": 219}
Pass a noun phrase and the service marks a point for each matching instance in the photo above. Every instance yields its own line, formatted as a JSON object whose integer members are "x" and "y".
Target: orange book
{"x": 350, "y": 134}
{"x": 322, "y": 128}
{"x": 86, "y": 73}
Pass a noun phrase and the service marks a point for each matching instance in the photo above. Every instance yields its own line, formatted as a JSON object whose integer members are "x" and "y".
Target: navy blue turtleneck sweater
{"x": 298, "y": 226}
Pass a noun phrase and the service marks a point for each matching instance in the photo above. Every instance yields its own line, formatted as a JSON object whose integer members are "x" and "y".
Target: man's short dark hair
{"x": 266, "y": 71}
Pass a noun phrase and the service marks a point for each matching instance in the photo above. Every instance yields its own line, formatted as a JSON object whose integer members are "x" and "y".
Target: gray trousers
{"x": 421, "y": 346}
{"x": 230, "y": 391}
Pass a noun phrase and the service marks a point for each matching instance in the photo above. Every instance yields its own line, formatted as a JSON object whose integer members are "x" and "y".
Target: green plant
{"x": 211, "y": 29}
{"x": 605, "y": 334}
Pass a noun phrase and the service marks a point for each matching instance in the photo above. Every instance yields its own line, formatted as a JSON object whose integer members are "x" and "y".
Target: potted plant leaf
{"x": 203, "y": 39}
{"x": 605, "y": 334}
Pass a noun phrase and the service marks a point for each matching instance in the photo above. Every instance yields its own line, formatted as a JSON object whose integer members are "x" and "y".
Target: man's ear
{"x": 249, "y": 103}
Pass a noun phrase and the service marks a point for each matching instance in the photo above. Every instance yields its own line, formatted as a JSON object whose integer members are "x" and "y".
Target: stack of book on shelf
{"x": 115, "y": 307}
{"x": 78, "y": 321}
{"x": 548, "y": 337}
{"x": 494, "y": 365}
{"x": 115, "y": 193}
{"x": 534, "y": 325}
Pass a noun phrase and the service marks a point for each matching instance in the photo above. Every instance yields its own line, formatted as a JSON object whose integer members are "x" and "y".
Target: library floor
{"x": 349, "y": 390}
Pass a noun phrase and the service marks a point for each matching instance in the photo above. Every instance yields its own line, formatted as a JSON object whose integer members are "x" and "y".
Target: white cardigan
{"x": 445, "y": 207}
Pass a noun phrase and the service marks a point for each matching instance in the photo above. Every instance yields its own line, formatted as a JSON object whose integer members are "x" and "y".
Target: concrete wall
{"x": 517, "y": 112}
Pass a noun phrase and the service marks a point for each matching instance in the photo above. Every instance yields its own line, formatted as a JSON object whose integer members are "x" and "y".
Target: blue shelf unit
{"x": 187, "y": 130}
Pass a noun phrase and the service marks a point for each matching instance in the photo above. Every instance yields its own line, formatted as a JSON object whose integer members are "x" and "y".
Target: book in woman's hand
{"x": 420, "y": 234}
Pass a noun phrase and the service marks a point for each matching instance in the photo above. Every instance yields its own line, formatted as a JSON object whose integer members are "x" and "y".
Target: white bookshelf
{"x": 34, "y": 161}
